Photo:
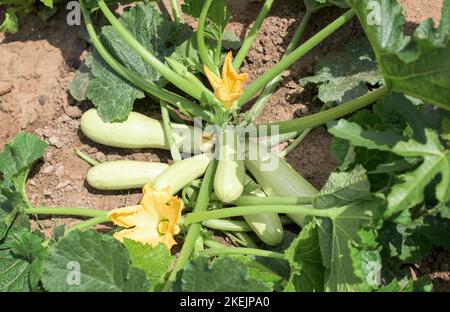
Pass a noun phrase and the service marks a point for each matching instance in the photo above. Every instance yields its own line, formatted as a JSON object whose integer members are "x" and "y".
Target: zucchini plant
{"x": 392, "y": 179}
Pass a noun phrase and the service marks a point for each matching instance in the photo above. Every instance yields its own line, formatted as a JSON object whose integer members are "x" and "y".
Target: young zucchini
{"x": 138, "y": 131}
{"x": 181, "y": 173}
{"x": 123, "y": 174}
{"x": 229, "y": 178}
{"x": 267, "y": 226}
{"x": 281, "y": 181}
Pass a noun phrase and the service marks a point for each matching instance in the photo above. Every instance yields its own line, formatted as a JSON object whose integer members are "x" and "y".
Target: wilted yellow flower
{"x": 230, "y": 87}
{"x": 152, "y": 222}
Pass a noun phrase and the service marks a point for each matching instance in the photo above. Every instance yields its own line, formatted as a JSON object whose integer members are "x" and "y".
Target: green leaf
{"x": 225, "y": 274}
{"x": 80, "y": 82}
{"x": 305, "y": 259}
{"x": 14, "y": 272}
{"x": 217, "y": 17}
{"x": 366, "y": 259}
{"x": 230, "y": 41}
{"x": 110, "y": 93}
{"x": 154, "y": 261}
{"x": 16, "y": 160}
{"x": 340, "y": 233}
{"x": 259, "y": 271}
{"x": 20, "y": 154}
{"x": 90, "y": 261}
{"x": 343, "y": 188}
{"x": 436, "y": 161}
{"x": 346, "y": 79}
{"x": 28, "y": 246}
{"x": 419, "y": 65}
{"x": 353, "y": 132}
{"x": 336, "y": 237}
{"x": 48, "y": 3}
{"x": 11, "y": 22}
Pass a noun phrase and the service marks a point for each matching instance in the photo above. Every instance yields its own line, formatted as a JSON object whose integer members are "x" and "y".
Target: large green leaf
{"x": 155, "y": 261}
{"x": 346, "y": 79}
{"x": 90, "y": 261}
{"x": 16, "y": 160}
{"x": 339, "y": 233}
{"x": 419, "y": 65}
{"x": 307, "y": 271}
{"x": 113, "y": 95}
{"x": 343, "y": 188}
{"x": 13, "y": 272}
{"x": 20, "y": 154}
{"x": 225, "y": 274}
{"x": 436, "y": 162}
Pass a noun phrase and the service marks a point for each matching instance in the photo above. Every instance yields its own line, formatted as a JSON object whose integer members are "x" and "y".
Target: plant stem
{"x": 168, "y": 133}
{"x": 271, "y": 200}
{"x": 175, "y": 11}
{"x": 179, "y": 81}
{"x": 194, "y": 230}
{"x": 211, "y": 243}
{"x": 86, "y": 158}
{"x": 82, "y": 226}
{"x": 265, "y": 95}
{"x": 250, "y": 38}
{"x": 212, "y": 252}
{"x": 298, "y": 139}
{"x": 321, "y": 118}
{"x": 295, "y": 143}
{"x": 241, "y": 238}
{"x": 290, "y": 59}
{"x": 202, "y": 50}
{"x": 81, "y": 212}
{"x": 149, "y": 87}
{"x": 249, "y": 210}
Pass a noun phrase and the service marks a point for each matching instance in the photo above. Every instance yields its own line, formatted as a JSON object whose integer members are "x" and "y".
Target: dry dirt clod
{"x": 5, "y": 87}
{"x": 73, "y": 112}
{"x": 62, "y": 184}
{"x": 55, "y": 141}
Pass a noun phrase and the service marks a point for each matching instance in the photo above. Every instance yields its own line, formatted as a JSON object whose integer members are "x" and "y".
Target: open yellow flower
{"x": 152, "y": 222}
{"x": 230, "y": 87}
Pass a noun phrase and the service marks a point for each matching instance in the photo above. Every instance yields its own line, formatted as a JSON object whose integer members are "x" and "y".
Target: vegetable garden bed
{"x": 372, "y": 200}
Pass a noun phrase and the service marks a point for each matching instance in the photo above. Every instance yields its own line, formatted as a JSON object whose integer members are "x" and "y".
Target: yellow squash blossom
{"x": 230, "y": 87}
{"x": 152, "y": 222}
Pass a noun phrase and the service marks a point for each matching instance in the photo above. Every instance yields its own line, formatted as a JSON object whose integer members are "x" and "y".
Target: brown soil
{"x": 38, "y": 63}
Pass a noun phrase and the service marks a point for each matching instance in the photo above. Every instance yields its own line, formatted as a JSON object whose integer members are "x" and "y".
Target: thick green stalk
{"x": 298, "y": 140}
{"x": 81, "y": 212}
{"x": 202, "y": 50}
{"x": 175, "y": 11}
{"x": 211, "y": 243}
{"x": 86, "y": 158}
{"x": 265, "y": 95}
{"x": 248, "y": 42}
{"x": 82, "y": 226}
{"x": 290, "y": 59}
{"x": 271, "y": 200}
{"x": 149, "y": 87}
{"x": 212, "y": 252}
{"x": 168, "y": 133}
{"x": 194, "y": 230}
{"x": 179, "y": 81}
{"x": 242, "y": 239}
{"x": 249, "y": 210}
{"x": 321, "y": 118}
